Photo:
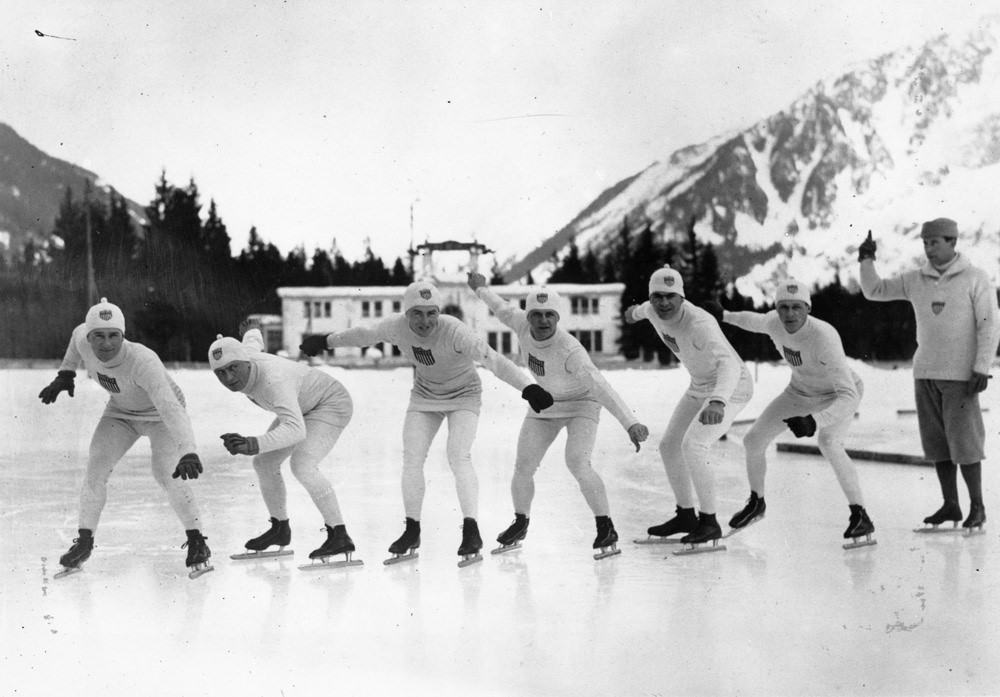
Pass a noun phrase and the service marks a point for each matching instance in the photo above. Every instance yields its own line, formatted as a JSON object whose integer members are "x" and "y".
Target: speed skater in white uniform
{"x": 560, "y": 365}
{"x": 820, "y": 399}
{"x": 446, "y": 385}
{"x": 311, "y": 411}
{"x": 144, "y": 402}
{"x": 720, "y": 387}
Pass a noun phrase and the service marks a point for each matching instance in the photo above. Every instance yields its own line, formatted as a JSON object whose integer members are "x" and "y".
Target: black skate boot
{"x": 708, "y": 530}
{"x": 279, "y": 534}
{"x": 406, "y": 546}
{"x": 949, "y": 512}
{"x": 510, "y": 539}
{"x": 685, "y": 520}
{"x": 472, "y": 542}
{"x": 198, "y": 554}
{"x": 73, "y": 560}
{"x": 607, "y": 538}
{"x": 859, "y": 525}
{"x": 752, "y": 513}
{"x": 337, "y": 542}
{"x": 977, "y": 518}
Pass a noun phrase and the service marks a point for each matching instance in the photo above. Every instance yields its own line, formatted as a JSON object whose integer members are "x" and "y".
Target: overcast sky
{"x": 496, "y": 121}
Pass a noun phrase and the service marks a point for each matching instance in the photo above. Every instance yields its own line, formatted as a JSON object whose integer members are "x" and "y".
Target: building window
{"x": 523, "y": 303}
{"x": 378, "y": 308}
{"x": 327, "y": 308}
{"x": 598, "y": 341}
{"x": 317, "y": 309}
{"x": 306, "y": 309}
{"x": 396, "y": 306}
{"x": 505, "y": 342}
{"x": 366, "y": 309}
{"x": 595, "y": 306}
{"x": 491, "y": 340}
{"x": 584, "y": 336}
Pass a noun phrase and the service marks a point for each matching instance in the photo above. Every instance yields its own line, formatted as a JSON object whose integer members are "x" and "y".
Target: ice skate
{"x": 198, "y": 554}
{"x": 279, "y": 534}
{"x": 510, "y": 539}
{"x": 685, "y": 520}
{"x": 859, "y": 525}
{"x": 949, "y": 512}
{"x": 337, "y": 542}
{"x": 606, "y": 540}
{"x": 72, "y": 561}
{"x": 472, "y": 542}
{"x": 696, "y": 542}
{"x": 976, "y": 521}
{"x": 752, "y": 513}
{"x": 405, "y": 548}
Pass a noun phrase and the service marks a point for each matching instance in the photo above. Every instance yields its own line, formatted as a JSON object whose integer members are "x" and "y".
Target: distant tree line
{"x": 882, "y": 331}
{"x": 175, "y": 276}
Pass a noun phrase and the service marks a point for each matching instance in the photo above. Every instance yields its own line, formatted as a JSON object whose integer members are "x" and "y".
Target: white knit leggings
{"x": 111, "y": 440}
{"x": 305, "y": 459}
{"x": 534, "y": 440}
{"x": 419, "y": 429}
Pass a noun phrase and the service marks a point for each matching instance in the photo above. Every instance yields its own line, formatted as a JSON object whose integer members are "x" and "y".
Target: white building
{"x": 590, "y": 312}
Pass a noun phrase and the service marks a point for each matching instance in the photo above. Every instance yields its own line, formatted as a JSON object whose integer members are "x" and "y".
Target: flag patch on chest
{"x": 671, "y": 342}
{"x": 109, "y": 383}
{"x": 536, "y": 365}
{"x": 793, "y": 357}
{"x": 937, "y": 307}
{"x": 423, "y": 356}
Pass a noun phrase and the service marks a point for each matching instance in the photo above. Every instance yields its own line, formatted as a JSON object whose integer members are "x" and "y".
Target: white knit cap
{"x": 791, "y": 289}
{"x": 543, "y": 298}
{"x": 224, "y": 350}
{"x": 421, "y": 294}
{"x": 104, "y": 315}
{"x": 666, "y": 280}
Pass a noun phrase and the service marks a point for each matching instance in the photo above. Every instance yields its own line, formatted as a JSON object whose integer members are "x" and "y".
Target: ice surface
{"x": 785, "y": 611}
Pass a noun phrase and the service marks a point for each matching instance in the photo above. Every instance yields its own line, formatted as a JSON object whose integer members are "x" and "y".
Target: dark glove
{"x": 189, "y": 467}
{"x": 802, "y": 426}
{"x": 537, "y": 398}
{"x": 240, "y": 445}
{"x": 713, "y": 308}
{"x": 248, "y": 324}
{"x": 867, "y": 248}
{"x": 977, "y": 383}
{"x": 63, "y": 382}
{"x": 313, "y": 345}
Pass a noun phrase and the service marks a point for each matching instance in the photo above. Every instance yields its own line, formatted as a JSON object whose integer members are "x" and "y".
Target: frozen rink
{"x": 785, "y": 611}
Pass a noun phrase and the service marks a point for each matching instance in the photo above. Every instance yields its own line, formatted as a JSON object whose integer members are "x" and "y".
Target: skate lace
{"x": 196, "y": 542}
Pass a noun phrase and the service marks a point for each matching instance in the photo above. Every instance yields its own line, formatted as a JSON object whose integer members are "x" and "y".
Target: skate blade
{"x": 607, "y": 552}
{"x": 733, "y": 531}
{"x": 67, "y": 571}
{"x": 700, "y": 548}
{"x": 321, "y": 564}
{"x": 503, "y": 549}
{"x": 197, "y": 571}
{"x": 400, "y": 558}
{"x": 469, "y": 560}
{"x": 937, "y": 529}
{"x": 858, "y": 543}
{"x": 263, "y": 554}
{"x": 975, "y": 530}
{"x": 653, "y": 540}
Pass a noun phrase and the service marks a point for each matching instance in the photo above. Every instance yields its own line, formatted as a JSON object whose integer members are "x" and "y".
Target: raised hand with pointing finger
{"x": 867, "y": 248}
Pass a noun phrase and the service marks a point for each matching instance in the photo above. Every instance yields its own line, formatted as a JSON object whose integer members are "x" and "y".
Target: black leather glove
{"x": 189, "y": 467}
{"x": 248, "y": 324}
{"x": 240, "y": 445}
{"x": 537, "y": 398}
{"x": 713, "y": 308}
{"x": 313, "y": 345}
{"x": 63, "y": 382}
{"x": 867, "y": 248}
{"x": 802, "y": 426}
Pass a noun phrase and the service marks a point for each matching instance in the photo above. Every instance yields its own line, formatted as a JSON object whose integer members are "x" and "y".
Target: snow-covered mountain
{"x": 32, "y": 187}
{"x": 906, "y": 137}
